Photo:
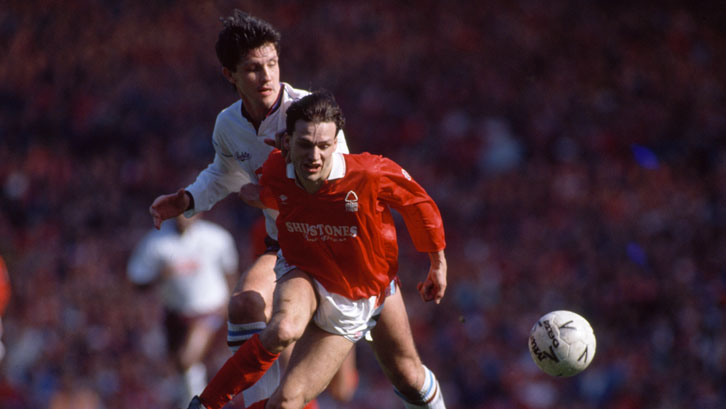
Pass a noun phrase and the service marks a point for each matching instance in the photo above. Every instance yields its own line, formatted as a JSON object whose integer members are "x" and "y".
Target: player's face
{"x": 257, "y": 78}
{"x": 311, "y": 152}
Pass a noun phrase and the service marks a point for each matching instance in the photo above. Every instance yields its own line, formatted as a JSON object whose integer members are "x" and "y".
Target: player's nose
{"x": 266, "y": 74}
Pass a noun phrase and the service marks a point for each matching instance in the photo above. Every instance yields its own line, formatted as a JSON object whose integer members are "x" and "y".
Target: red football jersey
{"x": 344, "y": 234}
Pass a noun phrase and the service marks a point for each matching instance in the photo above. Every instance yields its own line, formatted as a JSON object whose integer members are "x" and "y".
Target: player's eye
{"x": 253, "y": 67}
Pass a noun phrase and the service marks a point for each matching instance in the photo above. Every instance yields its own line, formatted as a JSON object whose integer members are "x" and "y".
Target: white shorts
{"x": 337, "y": 314}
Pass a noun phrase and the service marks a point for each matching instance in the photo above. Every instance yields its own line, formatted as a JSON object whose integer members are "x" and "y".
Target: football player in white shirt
{"x": 247, "y": 48}
{"x": 192, "y": 263}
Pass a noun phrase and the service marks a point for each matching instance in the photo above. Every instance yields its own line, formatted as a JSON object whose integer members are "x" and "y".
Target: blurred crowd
{"x": 577, "y": 150}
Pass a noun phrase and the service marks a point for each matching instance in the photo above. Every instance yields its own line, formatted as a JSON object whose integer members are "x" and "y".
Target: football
{"x": 562, "y": 343}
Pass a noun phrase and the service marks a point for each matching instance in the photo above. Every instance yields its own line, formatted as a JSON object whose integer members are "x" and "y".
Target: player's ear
{"x": 227, "y": 74}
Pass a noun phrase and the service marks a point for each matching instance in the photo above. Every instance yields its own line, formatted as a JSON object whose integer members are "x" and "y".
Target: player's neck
{"x": 309, "y": 186}
{"x": 254, "y": 114}
{"x": 257, "y": 112}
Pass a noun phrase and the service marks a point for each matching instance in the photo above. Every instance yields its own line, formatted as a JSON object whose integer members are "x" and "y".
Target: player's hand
{"x": 280, "y": 143}
{"x": 196, "y": 403}
{"x": 168, "y": 206}
{"x": 250, "y": 194}
{"x": 434, "y": 287}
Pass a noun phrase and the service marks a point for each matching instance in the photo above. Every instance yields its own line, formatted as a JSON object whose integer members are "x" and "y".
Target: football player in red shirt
{"x": 338, "y": 258}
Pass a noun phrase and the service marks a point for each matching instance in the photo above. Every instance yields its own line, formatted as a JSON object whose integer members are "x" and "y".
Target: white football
{"x": 562, "y": 343}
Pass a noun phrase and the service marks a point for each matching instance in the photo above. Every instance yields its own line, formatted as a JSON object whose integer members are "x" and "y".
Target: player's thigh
{"x": 315, "y": 359}
{"x": 394, "y": 346}
{"x": 251, "y": 299}
{"x": 294, "y": 304}
{"x": 201, "y": 334}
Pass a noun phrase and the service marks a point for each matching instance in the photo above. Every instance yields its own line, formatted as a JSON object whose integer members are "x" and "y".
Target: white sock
{"x": 195, "y": 380}
{"x": 237, "y": 334}
{"x": 430, "y": 394}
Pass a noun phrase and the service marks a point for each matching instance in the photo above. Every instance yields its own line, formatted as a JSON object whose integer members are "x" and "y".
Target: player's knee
{"x": 246, "y": 307}
{"x": 284, "y": 332}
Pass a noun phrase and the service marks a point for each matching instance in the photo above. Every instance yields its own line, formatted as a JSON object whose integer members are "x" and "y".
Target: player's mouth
{"x": 312, "y": 167}
{"x": 265, "y": 91}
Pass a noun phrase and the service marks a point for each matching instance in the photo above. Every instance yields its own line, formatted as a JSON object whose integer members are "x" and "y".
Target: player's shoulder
{"x": 275, "y": 161}
{"x": 291, "y": 93}
{"x": 232, "y": 112}
{"x": 364, "y": 159}
{"x": 229, "y": 120}
{"x": 274, "y": 169}
{"x": 370, "y": 164}
{"x": 231, "y": 128}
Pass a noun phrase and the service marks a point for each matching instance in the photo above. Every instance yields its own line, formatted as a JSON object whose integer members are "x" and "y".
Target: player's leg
{"x": 294, "y": 304}
{"x": 177, "y": 330}
{"x": 200, "y": 335}
{"x": 344, "y": 383}
{"x": 250, "y": 307}
{"x": 396, "y": 352}
{"x": 316, "y": 358}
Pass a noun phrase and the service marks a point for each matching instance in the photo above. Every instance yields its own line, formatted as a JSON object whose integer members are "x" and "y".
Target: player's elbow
{"x": 250, "y": 194}
{"x": 254, "y": 203}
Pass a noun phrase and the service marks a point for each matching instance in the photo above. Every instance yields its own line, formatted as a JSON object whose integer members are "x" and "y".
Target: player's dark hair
{"x": 242, "y": 33}
{"x": 320, "y": 106}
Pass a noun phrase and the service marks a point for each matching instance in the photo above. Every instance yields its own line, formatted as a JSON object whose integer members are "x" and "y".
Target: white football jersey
{"x": 239, "y": 151}
{"x": 190, "y": 267}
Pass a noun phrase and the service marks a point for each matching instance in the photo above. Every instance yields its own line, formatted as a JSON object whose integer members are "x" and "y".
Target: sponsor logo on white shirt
{"x": 242, "y": 156}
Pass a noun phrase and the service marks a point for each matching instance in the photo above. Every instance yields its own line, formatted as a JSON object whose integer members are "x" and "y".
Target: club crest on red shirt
{"x": 351, "y": 201}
